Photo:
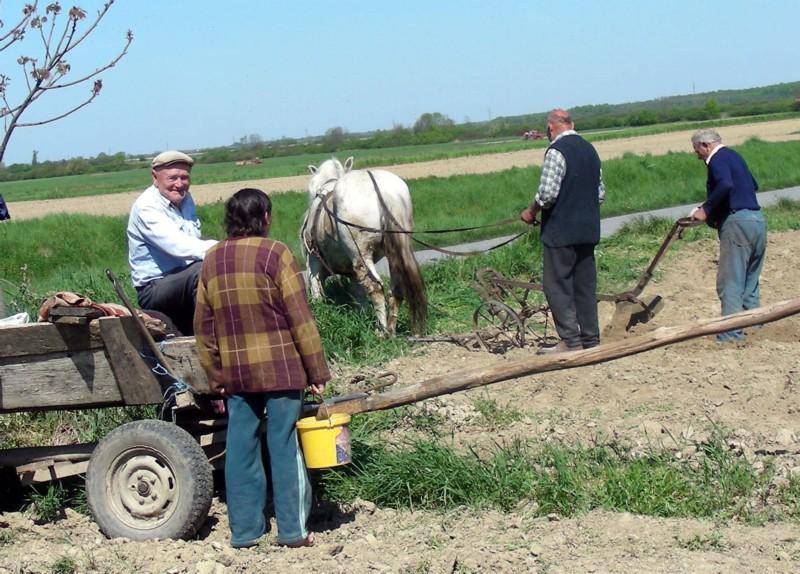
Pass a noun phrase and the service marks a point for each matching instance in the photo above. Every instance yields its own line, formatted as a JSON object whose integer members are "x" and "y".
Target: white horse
{"x": 343, "y": 233}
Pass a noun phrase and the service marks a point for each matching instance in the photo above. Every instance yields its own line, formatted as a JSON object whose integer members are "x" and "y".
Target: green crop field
{"x": 124, "y": 181}
{"x": 69, "y": 252}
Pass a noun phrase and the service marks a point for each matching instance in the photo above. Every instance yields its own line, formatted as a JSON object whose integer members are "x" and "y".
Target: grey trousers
{"x": 174, "y": 295}
{"x": 570, "y": 286}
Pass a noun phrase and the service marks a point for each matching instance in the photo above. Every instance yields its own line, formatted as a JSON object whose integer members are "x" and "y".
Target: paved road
{"x": 608, "y": 226}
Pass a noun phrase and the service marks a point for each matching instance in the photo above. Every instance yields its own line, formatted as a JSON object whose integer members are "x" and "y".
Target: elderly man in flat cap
{"x": 165, "y": 250}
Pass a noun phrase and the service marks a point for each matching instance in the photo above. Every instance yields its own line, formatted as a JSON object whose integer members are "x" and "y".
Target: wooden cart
{"x": 145, "y": 479}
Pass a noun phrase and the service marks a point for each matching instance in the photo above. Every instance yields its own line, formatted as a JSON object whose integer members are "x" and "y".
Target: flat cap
{"x": 166, "y": 158}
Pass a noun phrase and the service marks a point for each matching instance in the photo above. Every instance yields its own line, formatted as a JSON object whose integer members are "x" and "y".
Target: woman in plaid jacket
{"x": 260, "y": 347}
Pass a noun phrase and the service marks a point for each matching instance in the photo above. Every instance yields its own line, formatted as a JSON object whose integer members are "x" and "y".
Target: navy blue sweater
{"x": 730, "y": 187}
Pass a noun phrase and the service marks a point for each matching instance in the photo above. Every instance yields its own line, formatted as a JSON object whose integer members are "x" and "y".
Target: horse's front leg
{"x": 316, "y": 275}
{"x": 370, "y": 281}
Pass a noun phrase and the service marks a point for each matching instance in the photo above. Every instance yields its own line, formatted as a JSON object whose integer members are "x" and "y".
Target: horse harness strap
{"x": 312, "y": 246}
{"x": 309, "y": 235}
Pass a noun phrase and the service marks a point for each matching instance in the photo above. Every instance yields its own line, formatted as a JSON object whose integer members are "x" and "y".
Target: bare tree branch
{"x": 95, "y": 93}
{"x": 111, "y": 64}
{"x": 16, "y": 32}
{"x": 77, "y": 14}
{"x": 49, "y": 70}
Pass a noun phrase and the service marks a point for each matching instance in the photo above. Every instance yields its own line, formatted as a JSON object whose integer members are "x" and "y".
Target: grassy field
{"x": 69, "y": 252}
{"x": 124, "y": 181}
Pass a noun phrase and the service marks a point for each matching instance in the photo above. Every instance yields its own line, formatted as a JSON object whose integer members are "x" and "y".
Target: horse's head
{"x": 324, "y": 177}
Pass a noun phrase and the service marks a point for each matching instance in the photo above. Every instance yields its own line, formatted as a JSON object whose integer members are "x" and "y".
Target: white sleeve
{"x": 162, "y": 232}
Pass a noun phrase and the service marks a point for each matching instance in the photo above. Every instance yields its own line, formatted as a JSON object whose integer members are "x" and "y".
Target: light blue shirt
{"x": 163, "y": 237}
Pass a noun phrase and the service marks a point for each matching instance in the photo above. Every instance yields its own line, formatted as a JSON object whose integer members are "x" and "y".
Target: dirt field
{"x": 115, "y": 204}
{"x": 664, "y": 397}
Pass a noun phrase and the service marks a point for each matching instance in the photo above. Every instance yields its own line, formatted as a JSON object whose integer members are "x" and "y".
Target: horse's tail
{"x": 407, "y": 277}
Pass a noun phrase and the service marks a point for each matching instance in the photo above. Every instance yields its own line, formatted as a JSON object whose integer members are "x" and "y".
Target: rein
{"x": 399, "y": 228}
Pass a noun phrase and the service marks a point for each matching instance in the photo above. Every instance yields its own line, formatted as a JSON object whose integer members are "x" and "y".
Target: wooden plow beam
{"x": 462, "y": 380}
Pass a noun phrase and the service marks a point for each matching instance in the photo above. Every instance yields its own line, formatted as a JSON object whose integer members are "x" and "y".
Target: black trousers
{"x": 570, "y": 286}
{"x": 174, "y": 295}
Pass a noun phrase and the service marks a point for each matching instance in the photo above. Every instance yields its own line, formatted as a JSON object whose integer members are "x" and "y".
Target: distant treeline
{"x": 438, "y": 128}
{"x": 103, "y": 163}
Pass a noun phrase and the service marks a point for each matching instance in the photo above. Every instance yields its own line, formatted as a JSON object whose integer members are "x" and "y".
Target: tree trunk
{"x": 462, "y": 380}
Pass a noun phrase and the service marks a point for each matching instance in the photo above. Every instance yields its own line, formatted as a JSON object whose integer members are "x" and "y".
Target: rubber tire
{"x": 176, "y": 449}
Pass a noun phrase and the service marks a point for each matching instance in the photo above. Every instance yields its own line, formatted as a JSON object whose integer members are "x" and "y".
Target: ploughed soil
{"x": 666, "y": 397}
{"x": 120, "y": 203}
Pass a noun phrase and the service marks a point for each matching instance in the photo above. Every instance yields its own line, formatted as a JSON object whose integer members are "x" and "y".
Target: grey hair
{"x": 706, "y": 136}
{"x": 559, "y": 116}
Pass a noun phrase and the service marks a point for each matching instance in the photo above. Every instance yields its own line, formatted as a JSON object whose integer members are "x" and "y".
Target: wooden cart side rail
{"x": 44, "y": 366}
{"x": 45, "y": 463}
{"x": 462, "y": 380}
{"x": 36, "y": 339}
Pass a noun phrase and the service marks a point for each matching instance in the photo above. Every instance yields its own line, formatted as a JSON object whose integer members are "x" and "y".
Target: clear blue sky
{"x": 203, "y": 73}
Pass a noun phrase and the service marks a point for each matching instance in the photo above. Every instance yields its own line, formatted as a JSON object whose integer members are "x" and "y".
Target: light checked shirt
{"x": 553, "y": 170}
{"x": 162, "y": 237}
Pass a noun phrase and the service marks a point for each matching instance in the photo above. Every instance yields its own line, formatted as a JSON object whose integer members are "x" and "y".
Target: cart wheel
{"x": 498, "y": 325}
{"x": 149, "y": 479}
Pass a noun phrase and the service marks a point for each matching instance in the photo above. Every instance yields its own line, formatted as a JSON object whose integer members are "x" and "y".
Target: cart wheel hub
{"x": 143, "y": 488}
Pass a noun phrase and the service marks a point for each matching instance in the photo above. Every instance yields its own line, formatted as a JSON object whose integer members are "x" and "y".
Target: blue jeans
{"x": 742, "y": 243}
{"x": 245, "y": 477}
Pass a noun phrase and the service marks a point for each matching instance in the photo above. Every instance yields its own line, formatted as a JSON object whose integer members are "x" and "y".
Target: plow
{"x": 513, "y": 313}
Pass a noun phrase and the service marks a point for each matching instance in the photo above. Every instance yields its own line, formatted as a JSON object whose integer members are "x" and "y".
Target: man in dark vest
{"x": 732, "y": 209}
{"x": 570, "y": 193}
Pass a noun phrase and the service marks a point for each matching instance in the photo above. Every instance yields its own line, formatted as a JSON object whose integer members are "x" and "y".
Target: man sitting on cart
{"x": 165, "y": 250}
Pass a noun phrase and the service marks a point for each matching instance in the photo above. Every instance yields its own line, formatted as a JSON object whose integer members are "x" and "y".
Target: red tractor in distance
{"x": 533, "y": 135}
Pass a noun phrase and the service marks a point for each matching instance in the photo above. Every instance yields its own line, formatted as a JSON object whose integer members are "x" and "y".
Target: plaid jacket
{"x": 254, "y": 329}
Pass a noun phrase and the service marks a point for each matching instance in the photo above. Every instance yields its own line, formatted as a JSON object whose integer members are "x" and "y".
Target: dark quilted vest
{"x": 575, "y": 217}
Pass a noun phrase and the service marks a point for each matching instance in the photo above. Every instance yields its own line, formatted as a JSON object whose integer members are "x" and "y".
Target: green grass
{"x": 64, "y": 565}
{"x": 423, "y": 472}
{"x": 68, "y": 252}
{"x": 48, "y": 506}
{"x": 428, "y": 474}
{"x": 42, "y": 428}
{"x": 134, "y": 179}
{"x": 493, "y": 415}
{"x": 704, "y": 542}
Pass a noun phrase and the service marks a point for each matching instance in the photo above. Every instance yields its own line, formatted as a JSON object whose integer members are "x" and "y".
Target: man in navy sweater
{"x": 732, "y": 209}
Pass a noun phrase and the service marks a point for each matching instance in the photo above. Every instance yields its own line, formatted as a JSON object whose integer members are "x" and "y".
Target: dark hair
{"x": 245, "y": 211}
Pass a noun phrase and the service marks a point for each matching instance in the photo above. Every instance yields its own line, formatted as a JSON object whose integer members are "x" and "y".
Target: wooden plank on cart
{"x": 73, "y": 315}
{"x": 47, "y": 471}
{"x": 43, "y": 338}
{"x": 182, "y": 353}
{"x": 45, "y": 463}
{"x": 137, "y": 383}
{"x": 56, "y": 380}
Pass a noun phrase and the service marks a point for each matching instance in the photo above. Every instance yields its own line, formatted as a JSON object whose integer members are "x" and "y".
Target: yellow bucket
{"x": 326, "y": 442}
